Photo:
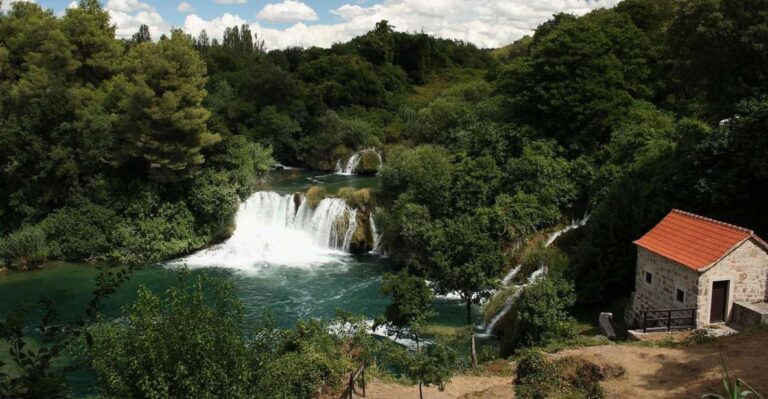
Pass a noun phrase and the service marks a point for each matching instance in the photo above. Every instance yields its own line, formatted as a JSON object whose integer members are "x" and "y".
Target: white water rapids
{"x": 349, "y": 168}
{"x": 273, "y": 229}
{"x": 537, "y": 274}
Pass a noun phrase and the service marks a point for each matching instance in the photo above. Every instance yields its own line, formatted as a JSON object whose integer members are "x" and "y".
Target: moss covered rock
{"x": 297, "y": 199}
{"x": 362, "y": 239}
{"x": 370, "y": 162}
{"x": 315, "y": 195}
{"x": 347, "y": 194}
{"x": 361, "y": 199}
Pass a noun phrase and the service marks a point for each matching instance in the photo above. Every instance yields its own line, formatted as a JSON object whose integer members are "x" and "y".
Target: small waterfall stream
{"x": 536, "y": 275}
{"x": 349, "y": 168}
{"x": 283, "y": 230}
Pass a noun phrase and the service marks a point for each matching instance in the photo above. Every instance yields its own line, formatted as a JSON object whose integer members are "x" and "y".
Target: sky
{"x": 283, "y": 23}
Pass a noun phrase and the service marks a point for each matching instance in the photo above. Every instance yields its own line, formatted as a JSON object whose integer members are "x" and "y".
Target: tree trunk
{"x": 472, "y": 332}
{"x": 421, "y": 394}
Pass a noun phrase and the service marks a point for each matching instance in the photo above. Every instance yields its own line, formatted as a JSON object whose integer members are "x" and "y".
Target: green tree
{"x": 410, "y": 308}
{"x": 377, "y": 46}
{"x": 159, "y": 102}
{"x": 432, "y": 366}
{"x": 94, "y": 47}
{"x": 411, "y": 304}
{"x": 142, "y": 36}
{"x": 464, "y": 256}
{"x": 540, "y": 315}
{"x": 718, "y": 57}
{"x": 580, "y": 76}
{"x": 148, "y": 356}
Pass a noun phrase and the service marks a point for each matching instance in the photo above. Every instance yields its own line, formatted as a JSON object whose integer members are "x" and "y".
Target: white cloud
{"x": 230, "y": 1}
{"x": 129, "y": 6}
{"x": 128, "y": 24}
{"x": 7, "y": 4}
{"x": 485, "y": 23}
{"x": 185, "y": 7}
{"x": 215, "y": 27}
{"x": 287, "y": 11}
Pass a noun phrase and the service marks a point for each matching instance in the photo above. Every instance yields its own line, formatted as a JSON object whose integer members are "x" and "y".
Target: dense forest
{"x": 140, "y": 150}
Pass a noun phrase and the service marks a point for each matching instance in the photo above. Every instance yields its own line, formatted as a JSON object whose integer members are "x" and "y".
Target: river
{"x": 281, "y": 267}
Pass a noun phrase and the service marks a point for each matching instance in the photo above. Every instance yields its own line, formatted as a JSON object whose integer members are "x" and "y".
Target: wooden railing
{"x": 669, "y": 319}
{"x": 359, "y": 374}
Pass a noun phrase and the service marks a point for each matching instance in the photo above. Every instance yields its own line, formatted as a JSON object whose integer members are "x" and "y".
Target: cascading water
{"x": 283, "y": 230}
{"x": 535, "y": 276}
{"x": 377, "y": 239}
{"x": 349, "y": 168}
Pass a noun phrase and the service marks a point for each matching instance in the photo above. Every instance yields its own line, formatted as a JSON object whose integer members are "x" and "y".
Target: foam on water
{"x": 282, "y": 230}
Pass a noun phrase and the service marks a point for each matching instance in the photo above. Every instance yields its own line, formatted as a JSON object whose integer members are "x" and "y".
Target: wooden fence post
{"x": 645, "y": 321}
{"x": 669, "y": 320}
{"x": 351, "y": 385}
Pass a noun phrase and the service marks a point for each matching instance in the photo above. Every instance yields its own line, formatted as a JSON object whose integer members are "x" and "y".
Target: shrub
{"x": 80, "y": 233}
{"x": 568, "y": 377}
{"x": 315, "y": 195}
{"x": 369, "y": 163}
{"x": 540, "y": 315}
{"x": 347, "y": 194}
{"x": 361, "y": 199}
{"x": 148, "y": 355}
{"x": 25, "y": 248}
{"x": 165, "y": 233}
{"x": 214, "y": 201}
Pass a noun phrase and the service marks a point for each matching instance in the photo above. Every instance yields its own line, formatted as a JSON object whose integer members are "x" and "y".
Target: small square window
{"x": 680, "y": 296}
{"x": 648, "y": 278}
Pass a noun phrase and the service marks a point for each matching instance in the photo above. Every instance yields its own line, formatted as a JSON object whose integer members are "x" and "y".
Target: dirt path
{"x": 682, "y": 373}
{"x": 464, "y": 387}
{"x": 650, "y": 372}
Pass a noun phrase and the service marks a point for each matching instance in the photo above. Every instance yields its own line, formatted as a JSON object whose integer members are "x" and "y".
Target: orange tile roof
{"x": 694, "y": 241}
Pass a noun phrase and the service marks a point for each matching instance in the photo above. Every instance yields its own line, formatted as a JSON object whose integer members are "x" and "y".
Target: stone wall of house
{"x": 747, "y": 270}
{"x": 668, "y": 277}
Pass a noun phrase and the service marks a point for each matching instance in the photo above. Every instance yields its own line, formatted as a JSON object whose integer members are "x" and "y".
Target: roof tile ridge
{"x": 714, "y": 222}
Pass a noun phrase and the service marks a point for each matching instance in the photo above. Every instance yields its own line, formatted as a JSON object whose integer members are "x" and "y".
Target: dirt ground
{"x": 464, "y": 387}
{"x": 651, "y": 372}
{"x": 685, "y": 372}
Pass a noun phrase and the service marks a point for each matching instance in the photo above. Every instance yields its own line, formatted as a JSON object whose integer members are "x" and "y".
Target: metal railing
{"x": 669, "y": 319}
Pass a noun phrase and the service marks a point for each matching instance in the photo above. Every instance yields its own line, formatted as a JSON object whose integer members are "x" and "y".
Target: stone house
{"x": 692, "y": 262}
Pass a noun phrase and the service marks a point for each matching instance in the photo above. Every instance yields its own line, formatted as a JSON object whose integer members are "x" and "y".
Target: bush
{"x": 540, "y": 316}
{"x": 81, "y": 233}
{"x": 165, "y": 233}
{"x": 361, "y": 199}
{"x": 214, "y": 201}
{"x": 148, "y": 355}
{"x": 369, "y": 163}
{"x": 25, "y": 248}
{"x": 315, "y": 195}
{"x": 347, "y": 194}
{"x": 569, "y": 377}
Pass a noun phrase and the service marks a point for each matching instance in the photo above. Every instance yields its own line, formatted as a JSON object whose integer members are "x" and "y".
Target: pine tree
{"x": 159, "y": 100}
{"x": 142, "y": 36}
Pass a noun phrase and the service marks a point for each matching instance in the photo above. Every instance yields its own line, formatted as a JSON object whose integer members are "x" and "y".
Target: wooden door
{"x": 719, "y": 301}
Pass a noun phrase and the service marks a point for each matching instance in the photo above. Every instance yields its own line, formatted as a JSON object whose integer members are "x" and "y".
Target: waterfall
{"x": 535, "y": 276}
{"x": 348, "y": 168}
{"x": 512, "y": 273}
{"x": 377, "y": 239}
{"x": 283, "y": 230}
